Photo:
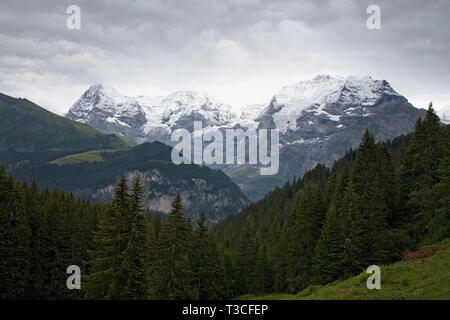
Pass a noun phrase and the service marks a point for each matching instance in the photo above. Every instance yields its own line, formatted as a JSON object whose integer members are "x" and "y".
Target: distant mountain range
{"x": 61, "y": 153}
{"x": 318, "y": 120}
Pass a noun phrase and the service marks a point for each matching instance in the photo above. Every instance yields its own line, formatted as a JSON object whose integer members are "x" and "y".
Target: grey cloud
{"x": 240, "y": 51}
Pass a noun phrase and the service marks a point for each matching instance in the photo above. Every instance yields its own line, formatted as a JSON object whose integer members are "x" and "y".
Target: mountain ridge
{"x": 318, "y": 120}
{"x": 61, "y": 153}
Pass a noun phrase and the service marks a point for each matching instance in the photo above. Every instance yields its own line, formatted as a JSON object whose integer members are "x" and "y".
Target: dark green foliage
{"x": 207, "y": 262}
{"x": 379, "y": 200}
{"x": 120, "y": 256}
{"x": 419, "y": 173}
{"x": 14, "y": 240}
{"x": 26, "y": 127}
{"x": 304, "y": 227}
{"x": 246, "y": 258}
{"x": 85, "y": 179}
{"x": 41, "y": 235}
{"x": 329, "y": 253}
{"x": 171, "y": 276}
{"x": 376, "y": 202}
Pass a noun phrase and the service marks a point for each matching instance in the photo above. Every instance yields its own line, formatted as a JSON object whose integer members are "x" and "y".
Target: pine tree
{"x": 307, "y": 219}
{"x": 14, "y": 241}
{"x": 366, "y": 208}
{"x": 105, "y": 280}
{"x": 171, "y": 273}
{"x": 246, "y": 258}
{"x": 328, "y": 261}
{"x": 439, "y": 226}
{"x": 207, "y": 263}
{"x": 263, "y": 274}
{"x": 134, "y": 257}
{"x": 419, "y": 173}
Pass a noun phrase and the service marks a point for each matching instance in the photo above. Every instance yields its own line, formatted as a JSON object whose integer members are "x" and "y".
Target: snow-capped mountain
{"x": 147, "y": 118}
{"x": 444, "y": 114}
{"x": 322, "y": 95}
{"x": 318, "y": 119}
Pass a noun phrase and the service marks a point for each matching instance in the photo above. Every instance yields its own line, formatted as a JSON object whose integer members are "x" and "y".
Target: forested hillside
{"x": 63, "y": 154}
{"x": 26, "y": 127}
{"x": 374, "y": 204}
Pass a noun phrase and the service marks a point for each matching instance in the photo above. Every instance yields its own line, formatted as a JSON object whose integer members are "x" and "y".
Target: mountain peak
{"x": 103, "y": 89}
{"x": 352, "y": 90}
{"x": 102, "y": 97}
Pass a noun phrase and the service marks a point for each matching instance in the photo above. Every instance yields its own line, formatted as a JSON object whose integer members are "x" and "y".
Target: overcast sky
{"x": 240, "y": 51}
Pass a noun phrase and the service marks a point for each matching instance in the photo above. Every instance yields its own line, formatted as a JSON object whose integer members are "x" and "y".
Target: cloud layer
{"x": 241, "y": 51}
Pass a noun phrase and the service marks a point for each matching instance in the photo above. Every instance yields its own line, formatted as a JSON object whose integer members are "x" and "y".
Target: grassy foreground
{"x": 422, "y": 279}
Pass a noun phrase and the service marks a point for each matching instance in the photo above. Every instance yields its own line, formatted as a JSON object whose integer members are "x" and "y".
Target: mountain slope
{"x": 424, "y": 279}
{"x": 26, "y": 127}
{"x": 61, "y": 153}
{"x": 318, "y": 121}
{"x": 94, "y": 177}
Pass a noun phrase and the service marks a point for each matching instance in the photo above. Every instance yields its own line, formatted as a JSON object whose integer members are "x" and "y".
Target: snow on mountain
{"x": 289, "y": 103}
{"x": 181, "y": 104}
{"x": 318, "y": 119}
{"x": 145, "y": 118}
{"x": 444, "y": 114}
{"x": 106, "y": 98}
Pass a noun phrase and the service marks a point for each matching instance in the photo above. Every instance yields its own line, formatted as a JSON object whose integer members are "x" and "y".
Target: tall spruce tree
{"x": 134, "y": 257}
{"x": 307, "y": 218}
{"x": 207, "y": 263}
{"x": 419, "y": 173}
{"x": 329, "y": 253}
{"x": 119, "y": 264}
{"x": 171, "y": 276}
{"x": 246, "y": 258}
{"x": 367, "y": 207}
{"x": 14, "y": 241}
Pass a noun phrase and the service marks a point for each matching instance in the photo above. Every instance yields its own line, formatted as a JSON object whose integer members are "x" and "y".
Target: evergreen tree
{"x": 419, "y": 173}
{"x": 328, "y": 262}
{"x": 171, "y": 273}
{"x": 207, "y": 263}
{"x": 105, "y": 279}
{"x": 14, "y": 241}
{"x": 307, "y": 218}
{"x": 246, "y": 259}
{"x": 439, "y": 226}
{"x": 263, "y": 276}
{"x": 134, "y": 257}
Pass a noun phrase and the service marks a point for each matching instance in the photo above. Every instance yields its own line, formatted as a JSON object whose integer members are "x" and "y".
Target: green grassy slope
{"x": 420, "y": 280}
{"x": 26, "y": 127}
{"x": 89, "y": 156}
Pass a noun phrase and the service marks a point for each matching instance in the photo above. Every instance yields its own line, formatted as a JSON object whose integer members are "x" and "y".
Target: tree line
{"x": 373, "y": 204}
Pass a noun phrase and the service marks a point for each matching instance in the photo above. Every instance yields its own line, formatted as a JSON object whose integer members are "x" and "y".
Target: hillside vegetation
{"x": 374, "y": 204}
{"x": 26, "y": 127}
{"x": 427, "y": 278}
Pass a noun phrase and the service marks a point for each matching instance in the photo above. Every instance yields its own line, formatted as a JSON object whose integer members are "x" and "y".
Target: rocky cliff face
{"x": 197, "y": 195}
